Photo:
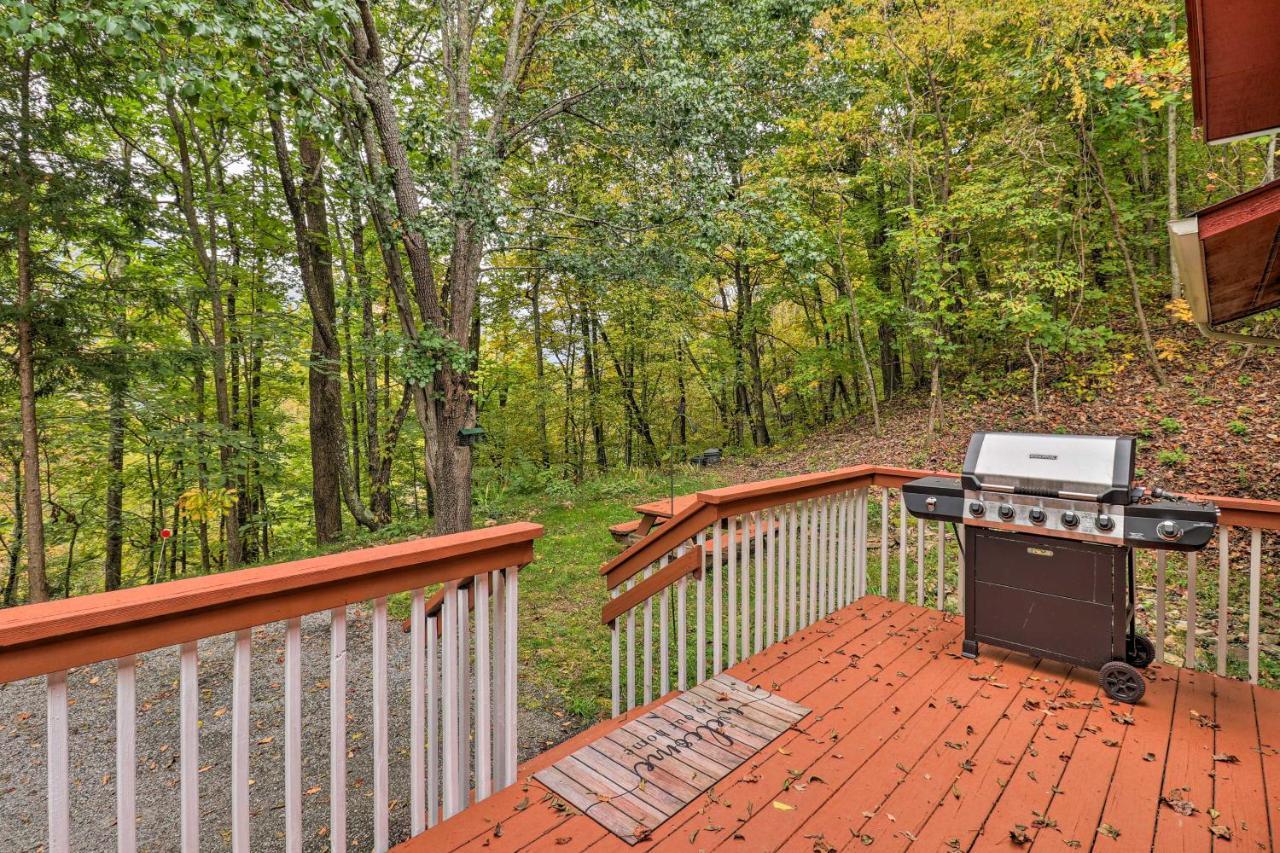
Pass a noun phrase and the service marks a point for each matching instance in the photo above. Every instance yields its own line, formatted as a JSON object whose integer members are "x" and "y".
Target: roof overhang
{"x": 1228, "y": 256}
{"x": 1235, "y": 66}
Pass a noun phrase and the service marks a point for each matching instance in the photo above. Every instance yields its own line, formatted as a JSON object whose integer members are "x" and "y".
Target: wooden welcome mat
{"x": 635, "y": 777}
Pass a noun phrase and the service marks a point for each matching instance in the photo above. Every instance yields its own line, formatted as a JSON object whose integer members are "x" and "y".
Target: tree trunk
{"x": 1134, "y": 286}
{"x": 539, "y": 368}
{"x": 19, "y": 533}
{"x": 115, "y": 480}
{"x": 592, "y": 377}
{"x": 1172, "y": 145}
{"x": 37, "y": 580}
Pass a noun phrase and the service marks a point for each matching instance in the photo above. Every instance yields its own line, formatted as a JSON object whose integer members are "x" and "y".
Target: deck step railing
{"x": 761, "y": 562}
{"x": 460, "y": 686}
{"x": 744, "y": 567}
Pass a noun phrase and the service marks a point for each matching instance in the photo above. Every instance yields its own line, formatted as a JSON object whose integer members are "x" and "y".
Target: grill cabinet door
{"x": 1047, "y": 597}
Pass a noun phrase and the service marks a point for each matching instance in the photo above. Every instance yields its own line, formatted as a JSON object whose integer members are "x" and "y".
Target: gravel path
{"x": 92, "y": 728}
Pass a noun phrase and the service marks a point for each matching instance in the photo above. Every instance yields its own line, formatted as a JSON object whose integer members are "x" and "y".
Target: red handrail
{"x": 56, "y": 635}
{"x": 714, "y": 505}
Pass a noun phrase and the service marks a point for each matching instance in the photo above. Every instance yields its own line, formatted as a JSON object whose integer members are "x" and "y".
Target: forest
{"x": 283, "y": 275}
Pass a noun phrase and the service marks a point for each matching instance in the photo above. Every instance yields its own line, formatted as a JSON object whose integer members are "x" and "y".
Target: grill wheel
{"x": 1122, "y": 682}
{"x": 1141, "y": 652}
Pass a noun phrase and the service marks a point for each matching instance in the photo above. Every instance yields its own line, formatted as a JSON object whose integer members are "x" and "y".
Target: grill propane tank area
{"x": 1050, "y": 526}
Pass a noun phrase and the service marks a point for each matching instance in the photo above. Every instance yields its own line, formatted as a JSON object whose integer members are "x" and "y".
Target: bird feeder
{"x": 470, "y": 436}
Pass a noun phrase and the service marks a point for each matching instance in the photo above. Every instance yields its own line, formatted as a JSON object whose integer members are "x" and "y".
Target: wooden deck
{"x": 911, "y": 745}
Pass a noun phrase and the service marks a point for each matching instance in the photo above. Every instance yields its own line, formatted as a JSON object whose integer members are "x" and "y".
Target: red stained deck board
{"x": 862, "y": 730}
{"x": 943, "y": 769}
{"x": 1030, "y": 789}
{"x": 894, "y": 755}
{"x": 1075, "y": 810}
{"x": 1239, "y": 791}
{"x": 1133, "y": 793}
{"x": 1188, "y": 767}
{"x": 856, "y": 705}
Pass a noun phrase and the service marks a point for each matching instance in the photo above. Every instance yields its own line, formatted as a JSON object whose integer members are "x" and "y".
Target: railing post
{"x": 56, "y": 746}
{"x": 126, "y": 758}
{"x": 381, "y": 797}
{"x": 189, "y": 746}
{"x": 1224, "y": 597}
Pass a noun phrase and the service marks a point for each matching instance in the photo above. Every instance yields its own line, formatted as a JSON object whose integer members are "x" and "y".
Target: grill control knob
{"x": 1070, "y": 519}
{"x": 1169, "y": 531}
{"x": 1104, "y": 522}
{"x": 1036, "y": 515}
{"x": 1007, "y": 512}
{"x": 977, "y": 509}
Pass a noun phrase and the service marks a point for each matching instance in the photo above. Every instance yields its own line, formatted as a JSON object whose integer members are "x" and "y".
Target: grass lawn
{"x": 564, "y": 649}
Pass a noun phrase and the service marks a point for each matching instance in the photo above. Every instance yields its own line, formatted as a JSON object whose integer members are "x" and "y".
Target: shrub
{"x": 1172, "y": 457}
{"x": 1238, "y": 428}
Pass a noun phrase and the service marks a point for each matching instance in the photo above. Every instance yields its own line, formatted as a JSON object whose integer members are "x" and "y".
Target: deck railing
{"x": 462, "y": 724}
{"x": 767, "y": 559}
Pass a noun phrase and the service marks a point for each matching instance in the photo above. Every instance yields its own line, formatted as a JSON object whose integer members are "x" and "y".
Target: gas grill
{"x": 1050, "y": 525}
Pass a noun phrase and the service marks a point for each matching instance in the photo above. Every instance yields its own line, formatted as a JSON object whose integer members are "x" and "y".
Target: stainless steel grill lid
{"x": 1074, "y": 467}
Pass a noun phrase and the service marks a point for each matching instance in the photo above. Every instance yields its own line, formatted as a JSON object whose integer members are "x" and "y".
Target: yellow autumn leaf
{"x": 783, "y": 807}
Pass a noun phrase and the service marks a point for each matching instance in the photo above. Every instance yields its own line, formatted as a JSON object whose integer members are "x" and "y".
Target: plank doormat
{"x": 635, "y": 777}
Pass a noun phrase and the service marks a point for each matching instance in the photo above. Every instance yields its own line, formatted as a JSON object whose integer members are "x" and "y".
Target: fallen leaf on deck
{"x": 1223, "y": 832}
{"x": 1226, "y": 758}
{"x": 783, "y": 807}
{"x": 1108, "y": 830}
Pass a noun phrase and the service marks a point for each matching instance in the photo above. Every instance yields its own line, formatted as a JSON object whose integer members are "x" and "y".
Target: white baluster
{"x": 920, "y": 562}
{"x": 812, "y": 563}
{"x": 615, "y": 658}
{"x": 126, "y": 761}
{"x": 759, "y": 580}
{"x": 433, "y": 628}
{"x": 1255, "y": 595}
{"x": 884, "y": 542}
{"x": 744, "y": 576}
{"x": 293, "y": 734}
{"x": 1189, "y": 653}
{"x": 1162, "y": 595}
{"x": 802, "y": 567}
{"x": 484, "y": 728}
{"x": 454, "y": 794}
{"x": 717, "y": 597}
{"x": 189, "y": 746}
{"x": 1224, "y": 596}
{"x": 861, "y": 542}
{"x": 337, "y": 733}
{"x": 682, "y": 629}
{"x": 701, "y": 607}
{"x": 511, "y": 636}
{"x": 381, "y": 797}
{"x": 664, "y": 639}
{"x": 902, "y": 549}
{"x": 942, "y": 566}
{"x": 771, "y": 574}
{"x": 846, "y": 568}
{"x": 631, "y": 651}
{"x": 792, "y": 597}
{"x": 465, "y": 692}
{"x": 56, "y": 745}
{"x": 417, "y": 712}
{"x": 647, "y": 649}
{"x": 732, "y": 581}
{"x": 241, "y": 696}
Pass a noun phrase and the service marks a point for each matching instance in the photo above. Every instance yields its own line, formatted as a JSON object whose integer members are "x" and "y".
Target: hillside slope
{"x": 1214, "y": 428}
